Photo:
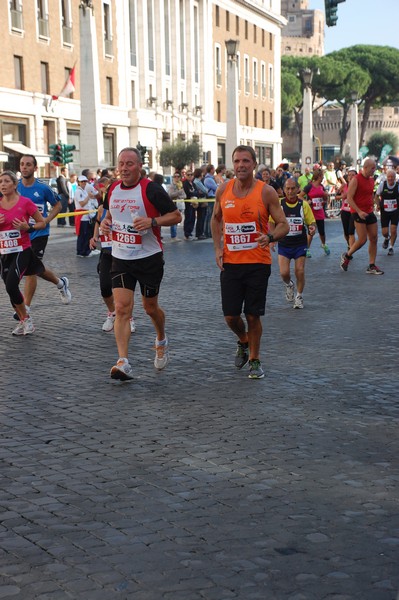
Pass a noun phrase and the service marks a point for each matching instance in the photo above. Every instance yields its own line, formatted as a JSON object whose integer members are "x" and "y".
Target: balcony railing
{"x": 16, "y": 19}
{"x": 108, "y": 46}
{"x": 67, "y": 35}
{"x": 44, "y": 28}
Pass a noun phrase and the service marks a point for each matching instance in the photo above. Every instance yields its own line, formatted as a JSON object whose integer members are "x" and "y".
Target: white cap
{"x": 82, "y": 178}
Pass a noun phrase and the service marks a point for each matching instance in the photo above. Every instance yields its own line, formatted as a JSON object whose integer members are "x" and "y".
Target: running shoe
{"x": 175, "y": 239}
{"x": 161, "y": 355}
{"x": 122, "y": 370}
{"x": 385, "y": 243}
{"x": 132, "y": 325}
{"x": 255, "y": 369}
{"x": 242, "y": 355}
{"x": 390, "y": 252}
{"x": 24, "y": 327}
{"x": 108, "y": 324}
{"x": 374, "y": 270}
{"x": 289, "y": 291}
{"x": 345, "y": 260}
{"x": 326, "y": 249}
{"x": 308, "y": 254}
{"x": 298, "y": 302}
{"x": 65, "y": 293}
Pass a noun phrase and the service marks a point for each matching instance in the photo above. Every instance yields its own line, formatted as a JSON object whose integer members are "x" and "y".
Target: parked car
{"x": 51, "y": 181}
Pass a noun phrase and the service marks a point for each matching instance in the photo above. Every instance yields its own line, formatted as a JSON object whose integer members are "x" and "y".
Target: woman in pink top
{"x": 19, "y": 216}
{"x": 317, "y": 198}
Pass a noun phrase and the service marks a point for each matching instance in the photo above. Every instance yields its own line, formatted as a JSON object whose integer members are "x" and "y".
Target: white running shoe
{"x": 122, "y": 370}
{"x": 132, "y": 325}
{"x": 65, "y": 293}
{"x": 108, "y": 324}
{"x": 298, "y": 302}
{"x": 289, "y": 292}
{"x": 161, "y": 355}
{"x": 24, "y": 327}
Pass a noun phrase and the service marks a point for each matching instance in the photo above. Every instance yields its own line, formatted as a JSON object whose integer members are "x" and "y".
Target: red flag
{"x": 69, "y": 86}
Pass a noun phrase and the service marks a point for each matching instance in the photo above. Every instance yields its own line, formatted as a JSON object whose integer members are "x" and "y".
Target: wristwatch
{"x": 271, "y": 237}
{"x": 154, "y": 222}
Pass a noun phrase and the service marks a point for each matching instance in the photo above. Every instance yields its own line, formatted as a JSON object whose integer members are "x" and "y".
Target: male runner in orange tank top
{"x": 241, "y": 239}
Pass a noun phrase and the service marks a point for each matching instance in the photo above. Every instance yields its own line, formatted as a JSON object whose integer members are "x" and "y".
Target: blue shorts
{"x": 292, "y": 252}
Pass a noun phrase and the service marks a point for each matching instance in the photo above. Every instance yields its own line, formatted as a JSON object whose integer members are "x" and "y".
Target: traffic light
{"x": 331, "y": 7}
{"x": 56, "y": 154}
{"x": 67, "y": 153}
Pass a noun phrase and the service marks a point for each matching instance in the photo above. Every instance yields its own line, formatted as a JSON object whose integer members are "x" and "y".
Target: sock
{"x": 125, "y": 360}
{"x": 60, "y": 284}
{"x": 162, "y": 342}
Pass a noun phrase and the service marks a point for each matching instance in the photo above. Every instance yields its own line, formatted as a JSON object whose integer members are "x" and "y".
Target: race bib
{"x": 317, "y": 203}
{"x": 105, "y": 241}
{"x": 126, "y": 240}
{"x": 10, "y": 241}
{"x": 240, "y": 236}
{"x": 390, "y": 205}
{"x": 40, "y": 208}
{"x": 345, "y": 206}
{"x": 296, "y": 225}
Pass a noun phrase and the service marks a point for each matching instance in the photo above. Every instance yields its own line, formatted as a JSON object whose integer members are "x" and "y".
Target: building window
{"x": 109, "y": 91}
{"x": 255, "y": 77}
{"x": 218, "y": 111}
{"x": 263, "y": 38}
{"x": 227, "y": 20}
{"x": 109, "y": 148}
{"x": 255, "y": 34}
{"x": 246, "y": 74}
{"x": 150, "y": 33}
{"x": 16, "y": 15}
{"x": 166, "y": 12}
{"x": 263, "y": 119}
{"x": 237, "y": 25}
{"x": 182, "y": 41}
{"x": 246, "y": 30}
{"x": 271, "y": 120}
{"x": 255, "y": 117}
{"x": 270, "y": 41}
{"x": 44, "y": 78}
{"x": 66, "y": 22}
{"x": 107, "y": 24}
{"x": 132, "y": 33}
{"x": 19, "y": 73}
{"x": 42, "y": 18}
{"x": 217, "y": 16}
{"x": 218, "y": 65}
{"x": 197, "y": 50}
{"x": 247, "y": 116}
{"x": 263, "y": 79}
{"x": 271, "y": 83}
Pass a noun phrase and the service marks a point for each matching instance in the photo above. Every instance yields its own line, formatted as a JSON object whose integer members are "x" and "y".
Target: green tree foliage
{"x": 179, "y": 155}
{"x": 333, "y": 81}
{"x": 381, "y": 63}
{"x": 378, "y": 140}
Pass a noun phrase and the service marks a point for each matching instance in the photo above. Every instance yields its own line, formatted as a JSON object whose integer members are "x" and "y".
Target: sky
{"x": 361, "y": 22}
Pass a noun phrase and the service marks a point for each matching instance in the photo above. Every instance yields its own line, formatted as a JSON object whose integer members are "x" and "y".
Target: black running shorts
{"x": 244, "y": 288}
{"x": 369, "y": 220}
{"x": 147, "y": 271}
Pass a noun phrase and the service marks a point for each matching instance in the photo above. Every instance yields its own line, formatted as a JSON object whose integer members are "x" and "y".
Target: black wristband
{"x": 31, "y": 230}
{"x": 271, "y": 237}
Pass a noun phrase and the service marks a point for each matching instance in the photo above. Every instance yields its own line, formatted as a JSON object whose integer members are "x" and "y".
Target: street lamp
{"x": 354, "y": 133}
{"x": 306, "y": 76}
{"x": 232, "y": 118}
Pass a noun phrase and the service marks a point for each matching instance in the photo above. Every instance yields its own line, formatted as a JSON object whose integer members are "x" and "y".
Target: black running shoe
{"x": 242, "y": 355}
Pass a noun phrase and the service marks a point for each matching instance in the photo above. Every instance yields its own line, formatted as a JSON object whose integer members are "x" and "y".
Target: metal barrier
{"x": 333, "y": 206}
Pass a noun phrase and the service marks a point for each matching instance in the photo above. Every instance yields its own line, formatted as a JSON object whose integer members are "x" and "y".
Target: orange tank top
{"x": 243, "y": 220}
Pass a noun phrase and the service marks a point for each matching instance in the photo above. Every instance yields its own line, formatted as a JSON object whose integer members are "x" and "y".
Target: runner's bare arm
{"x": 272, "y": 204}
{"x": 217, "y": 227}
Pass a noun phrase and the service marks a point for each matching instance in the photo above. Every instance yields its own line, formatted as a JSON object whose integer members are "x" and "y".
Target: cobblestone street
{"x": 196, "y": 483}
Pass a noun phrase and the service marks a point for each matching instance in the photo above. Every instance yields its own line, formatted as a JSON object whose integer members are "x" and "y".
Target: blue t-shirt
{"x": 40, "y": 193}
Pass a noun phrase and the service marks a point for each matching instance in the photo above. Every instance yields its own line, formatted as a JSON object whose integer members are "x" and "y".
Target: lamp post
{"x": 232, "y": 118}
{"x": 306, "y": 76}
{"x": 354, "y": 135}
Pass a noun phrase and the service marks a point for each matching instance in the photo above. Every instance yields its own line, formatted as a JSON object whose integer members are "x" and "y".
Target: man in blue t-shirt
{"x": 42, "y": 195}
